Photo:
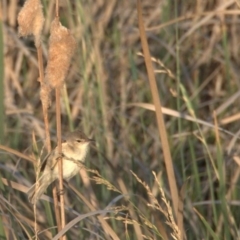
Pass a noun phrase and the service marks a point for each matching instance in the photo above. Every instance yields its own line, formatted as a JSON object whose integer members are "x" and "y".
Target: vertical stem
{"x": 60, "y": 160}
{"x": 159, "y": 114}
{"x": 57, "y": 9}
{"x": 2, "y": 112}
{"x": 45, "y": 113}
{"x": 47, "y": 132}
{"x": 56, "y": 208}
{"x": 59, "y": 139}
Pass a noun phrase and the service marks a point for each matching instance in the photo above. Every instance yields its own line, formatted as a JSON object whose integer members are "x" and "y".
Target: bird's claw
{"x": 61, "y": 192}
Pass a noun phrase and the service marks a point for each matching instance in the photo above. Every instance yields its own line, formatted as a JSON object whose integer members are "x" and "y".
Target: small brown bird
{"x": 74, "y": 150}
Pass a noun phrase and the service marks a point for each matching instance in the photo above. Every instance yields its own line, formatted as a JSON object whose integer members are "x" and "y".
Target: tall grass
{"x": 123, "y": 192}
{"x": 1, "y": 84}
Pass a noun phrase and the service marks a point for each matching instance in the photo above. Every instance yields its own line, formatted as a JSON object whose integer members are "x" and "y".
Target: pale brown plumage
{"x": 74, "y": 150}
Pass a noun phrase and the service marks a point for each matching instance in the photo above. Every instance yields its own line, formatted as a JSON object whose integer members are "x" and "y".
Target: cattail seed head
{"x": 61, "y": 49}
{"x": 31, "y": 19}
{"x": 45, "y": 95}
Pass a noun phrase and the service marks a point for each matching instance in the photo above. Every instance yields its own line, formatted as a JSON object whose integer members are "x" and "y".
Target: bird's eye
{"x": 79, "y": 140}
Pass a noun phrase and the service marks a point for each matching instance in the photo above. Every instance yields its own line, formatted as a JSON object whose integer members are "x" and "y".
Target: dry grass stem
{"x": 193, "y": 56}
{"x": 60, "y": 160}
{"x": 45, "y": 96}
{"x": 100, "y": 180}
{"x": 159, "y": 115}
{"x": 166, "y": 209}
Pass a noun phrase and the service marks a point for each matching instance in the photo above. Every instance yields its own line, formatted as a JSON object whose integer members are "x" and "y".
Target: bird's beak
{"x": 91, "y": 142}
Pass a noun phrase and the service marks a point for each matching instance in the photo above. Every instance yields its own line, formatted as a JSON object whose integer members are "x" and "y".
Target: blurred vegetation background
{"x": 195, "y": 49}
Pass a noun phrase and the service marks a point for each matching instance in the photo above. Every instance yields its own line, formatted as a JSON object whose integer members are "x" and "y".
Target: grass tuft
{"x": 129, "y": 187}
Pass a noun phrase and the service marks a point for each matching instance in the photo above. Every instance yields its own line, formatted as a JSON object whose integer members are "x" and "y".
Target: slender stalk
{"x": 57, "y": 8}
{"x": 45, "y": 112}
{"x": 2, "y": 110}
{"x": 60, "y": 216}
{"x": 159, "y": 114}
{"x": 47, "y": 132}
{"x": 60, "y": 163}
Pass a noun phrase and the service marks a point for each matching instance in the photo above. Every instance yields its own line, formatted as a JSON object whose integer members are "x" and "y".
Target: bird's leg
{"x": 61, "y": 155}
{"x": 60, "y": 192}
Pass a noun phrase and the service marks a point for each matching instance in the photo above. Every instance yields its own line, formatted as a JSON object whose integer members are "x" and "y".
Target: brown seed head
{"x": 61, "y": 49}
{"x": 31, "y": 19}
{"x": 45, "y": 96}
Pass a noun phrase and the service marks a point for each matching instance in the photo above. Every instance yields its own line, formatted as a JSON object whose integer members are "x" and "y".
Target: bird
{"x": 74, "y": 152}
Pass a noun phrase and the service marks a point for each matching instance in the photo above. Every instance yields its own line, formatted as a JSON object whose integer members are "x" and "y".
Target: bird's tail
{"x": 36, "y": 190}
